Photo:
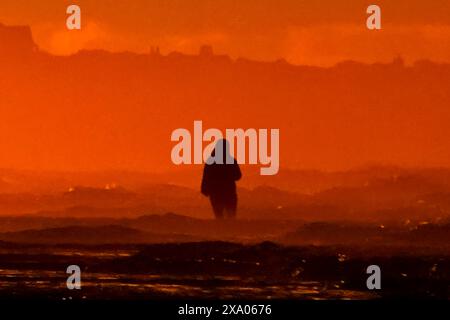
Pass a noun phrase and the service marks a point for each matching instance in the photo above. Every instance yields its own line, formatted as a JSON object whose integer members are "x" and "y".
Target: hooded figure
{"x": 220, "y": 174}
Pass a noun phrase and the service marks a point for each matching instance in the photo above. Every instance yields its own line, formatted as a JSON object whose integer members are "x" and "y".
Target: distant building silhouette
{"x": 206, "y": 51}
{"x": 16, "y": 40}
{"x": 154, "y": 51}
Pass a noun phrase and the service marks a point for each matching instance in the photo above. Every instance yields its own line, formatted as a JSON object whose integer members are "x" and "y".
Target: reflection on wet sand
{"x": 221, "y": 270}
{"x": 44, "y": 281}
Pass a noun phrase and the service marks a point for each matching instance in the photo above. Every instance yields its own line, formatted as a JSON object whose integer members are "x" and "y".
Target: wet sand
{"x": 220, "y": 270}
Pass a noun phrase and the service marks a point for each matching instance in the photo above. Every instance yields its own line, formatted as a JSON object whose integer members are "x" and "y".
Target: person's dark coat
{"x": 219, "y": 183}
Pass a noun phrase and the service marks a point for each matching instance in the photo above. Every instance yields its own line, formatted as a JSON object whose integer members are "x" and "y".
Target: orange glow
{"x": 98, "y": 110}
{"x": 303, "y": 32}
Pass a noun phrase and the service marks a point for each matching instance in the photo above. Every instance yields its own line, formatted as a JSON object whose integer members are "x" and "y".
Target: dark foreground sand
{"x": 221, "y": 270}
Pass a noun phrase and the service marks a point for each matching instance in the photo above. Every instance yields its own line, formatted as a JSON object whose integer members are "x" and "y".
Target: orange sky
{"x": 301, "y": 31}
{"x": 107, "y": 111}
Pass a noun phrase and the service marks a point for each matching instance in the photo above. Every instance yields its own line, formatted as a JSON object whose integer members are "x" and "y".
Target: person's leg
{"x": 231, "y": 207}
{"x": 217, "y": 206}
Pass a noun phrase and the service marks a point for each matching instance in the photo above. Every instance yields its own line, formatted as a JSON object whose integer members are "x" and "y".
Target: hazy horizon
{"x": 100, "y": 111}
{"x": 302, "y": 32}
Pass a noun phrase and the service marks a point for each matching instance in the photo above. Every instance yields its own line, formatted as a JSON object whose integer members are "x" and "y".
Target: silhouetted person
{"x": 219, "y": 180}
